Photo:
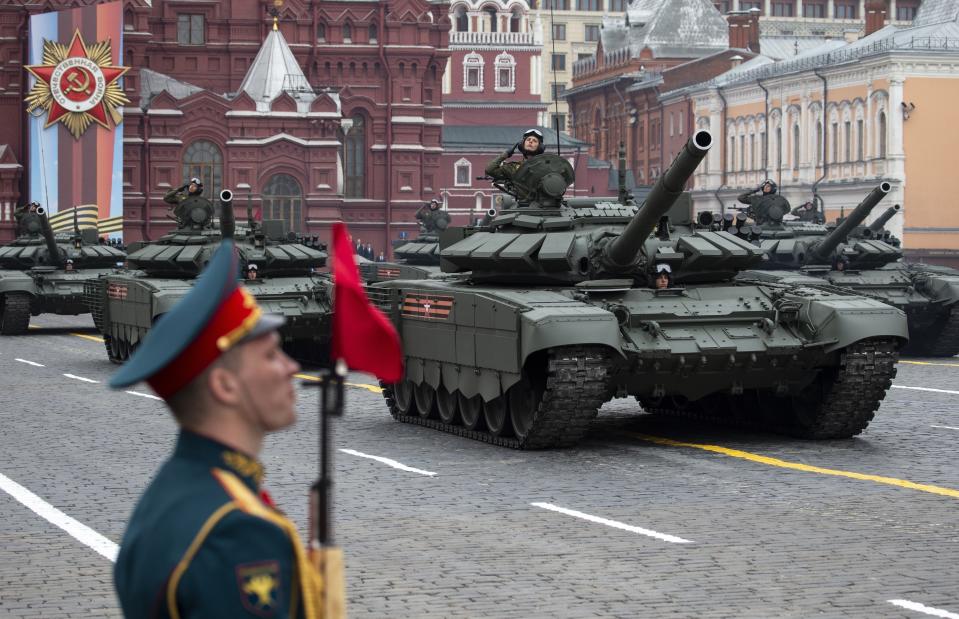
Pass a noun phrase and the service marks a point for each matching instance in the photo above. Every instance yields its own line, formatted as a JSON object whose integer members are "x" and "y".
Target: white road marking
{"x": 612, "y": 523}
{"x": 388, "y": 462}
{"x": 86, "y": 380}
{"x": 143, "y": 395}
{"x": 926, "y": 389}
{"x": 922, "y": 608}
{"x": 79, "y": 531}
{"x": 945, "y": 427}
{"x": 33, "y": 363}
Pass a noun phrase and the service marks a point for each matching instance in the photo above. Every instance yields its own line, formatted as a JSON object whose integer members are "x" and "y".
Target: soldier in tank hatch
{"x": 205, "y": 539}
{"x": 531, "y": 145}
{"x": 185, "y": 197}
{"x": 806, "y": 212}
{"x": 252, "y": 271}
{"x": 664, "y": 277}
{"x": 432, "y": 218}
{"x": 761, "y": 206}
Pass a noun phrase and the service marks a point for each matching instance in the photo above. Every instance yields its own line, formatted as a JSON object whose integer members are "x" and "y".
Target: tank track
{"x": 851, "y": 394}
{"x": 15, "y": 313}
{"x": 941, "y": 343}
{"x": 576, "y": 387}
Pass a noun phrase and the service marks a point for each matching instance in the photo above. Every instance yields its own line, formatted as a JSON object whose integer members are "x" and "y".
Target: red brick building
{"x": 348, "y": 125}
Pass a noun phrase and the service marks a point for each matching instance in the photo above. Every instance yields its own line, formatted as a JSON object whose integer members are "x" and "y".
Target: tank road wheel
{"x": 403, "y": 396}
{"x": 425, "y": 397}
{"x": 496, "y": 416}
{"x": 471, "y": 409}
{"x": 14, "y": 313}
{"x": 841, "y": 402}
{"x": 447, "y": 405}
{"x": 523, "y": 402}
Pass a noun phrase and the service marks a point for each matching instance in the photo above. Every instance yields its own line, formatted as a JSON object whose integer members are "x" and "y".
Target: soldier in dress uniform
{"x": 187, "y": 197}
{"x": 205, "y": 540}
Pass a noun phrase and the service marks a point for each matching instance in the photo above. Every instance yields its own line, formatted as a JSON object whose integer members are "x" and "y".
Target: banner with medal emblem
{"x": 74, "y": 108}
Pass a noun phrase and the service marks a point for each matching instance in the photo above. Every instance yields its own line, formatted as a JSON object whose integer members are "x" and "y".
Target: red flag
{"x": 362, "y": 336}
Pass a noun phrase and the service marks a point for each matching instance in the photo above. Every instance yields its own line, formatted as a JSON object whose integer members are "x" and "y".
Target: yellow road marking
{"x": 950, "y": 365}
{"x": 372, "y": 388}
{"x": 92, "y": 338}
{"x": 796, "y": 466}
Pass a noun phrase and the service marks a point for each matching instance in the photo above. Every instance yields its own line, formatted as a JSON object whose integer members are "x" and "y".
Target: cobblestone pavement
{"x": 766, "y": 541}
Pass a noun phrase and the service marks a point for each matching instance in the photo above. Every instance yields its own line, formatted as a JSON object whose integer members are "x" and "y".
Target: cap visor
{"x": 266, "y": 324}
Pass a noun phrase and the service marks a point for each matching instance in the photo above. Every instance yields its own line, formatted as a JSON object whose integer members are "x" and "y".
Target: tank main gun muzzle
{"x": 622, "y": 250}
{"x": 227, "y": 220}
{"x": 876, "y": 226}
{"x": 820, "y": 253}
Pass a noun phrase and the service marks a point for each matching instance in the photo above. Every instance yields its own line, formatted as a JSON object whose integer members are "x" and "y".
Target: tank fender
{"x": 15, "y": 281}
{"x": 844, "y": 321}
{"x": 580, "y": 324}
{"x": 941, "y": 288}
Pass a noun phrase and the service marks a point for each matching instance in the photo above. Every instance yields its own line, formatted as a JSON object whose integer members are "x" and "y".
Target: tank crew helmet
{"x": 198, "y": 183}
{"x": 540, "y": 149}
{"x": 217, "y": 315}
{"x": 662, "y": 267}
{"x": 251, "y": 267}
{"x": 772, "y": 185}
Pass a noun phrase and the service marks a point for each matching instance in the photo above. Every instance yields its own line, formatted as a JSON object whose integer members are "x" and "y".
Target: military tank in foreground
{"x": 126, "y": 303}
{"x": 418, "y": 258}
{"x": 866, "y": 260}
{"x": 42, "y": 273}
{"x": 557, "y": 315}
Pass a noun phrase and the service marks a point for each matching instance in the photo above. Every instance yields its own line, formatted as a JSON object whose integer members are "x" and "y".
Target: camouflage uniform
{"x": 183, "y": 203}
{"x": 502, "y": 170}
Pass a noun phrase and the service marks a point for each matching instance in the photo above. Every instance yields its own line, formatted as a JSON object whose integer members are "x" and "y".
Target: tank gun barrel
{"x": 52, "y": 250}
{"x": 227, "y": 220}
{"x": 820, "y": 253}
{"x": 622, "y": 251}
{"x": 878, "y": 225}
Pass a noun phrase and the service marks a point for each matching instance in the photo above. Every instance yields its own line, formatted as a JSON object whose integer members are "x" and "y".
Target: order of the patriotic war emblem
{"x": 77, "y": 85}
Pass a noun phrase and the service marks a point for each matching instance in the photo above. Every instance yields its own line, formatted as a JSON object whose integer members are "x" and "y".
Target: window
{"x": 556, "y": 5}
{"x": 722, "y": 6}
{"x": 816, "y": 11}
{"x": 204, "y": 160}
{"x": 559, "y": 32}
{"x": 558, "y": 122}
{"x": 128, "y": 20}
{"x": 847, "y": 140}
{"x": 779, "y": 145}
{"x": 795, "y": 147}
{"x": 845, "y": 10}
{"x": 782, "y": 9}
{"x": 321, "y": 32}
{"x": 372, "y": 32}
{"x": 905, "y": 13}
{"x": 589, "y": 5}
{"x": 462, "y": 21}
{"x": 463, "y": 174}
{"x": 558, "y": 89}
{"x": 354, "y": 157}
{"x": 592, "y": 32}
{"x": 732, "y": 153}
{"x": 752, "y": 151}
{"x": 882, "y": 134}
{"x": 347, "y": 33}
{"x": 283, "y": 199}
{"x": 473, "y": 72}
{"x": 835, "y": 143}
{"x": 746, "y": 5}
{"x": 189, "y": 29}
{"x": 617, "y": 6}
{"x": 559, "y": 62}
{"x": 583, "y": 57}
{"x": 505, "y": 73}
{"x": 860, "y": 143}
{"x": 762, "y": 147}
{"x": 672, "y": 124}
{"x": 742, "y": 152}
{"x": 682, "y": 123}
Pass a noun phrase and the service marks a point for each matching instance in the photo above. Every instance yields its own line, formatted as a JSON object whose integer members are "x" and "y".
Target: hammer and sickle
{"x": 83, "y": 86}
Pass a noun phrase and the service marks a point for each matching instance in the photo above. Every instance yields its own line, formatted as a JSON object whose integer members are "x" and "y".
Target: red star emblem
{"x": 77, "y": 84}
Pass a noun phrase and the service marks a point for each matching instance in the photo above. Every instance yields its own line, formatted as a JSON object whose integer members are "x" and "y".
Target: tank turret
{"x": 876, "y": 226}
{"x": 821, "y": 251}
{"x": 623, "y": 250}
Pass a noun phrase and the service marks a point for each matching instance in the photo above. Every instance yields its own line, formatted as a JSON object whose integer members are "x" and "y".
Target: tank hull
{"x": 33, "y": 293}
{"x": 668, "y": 349}
{"x": 125, "y": 305}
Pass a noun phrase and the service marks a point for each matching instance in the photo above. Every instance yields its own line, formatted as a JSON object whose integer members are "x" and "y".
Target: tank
{"x": 126, "y": 303}
{"x": 867, "y": 260}
{"x": 418, "y": 258}
{"x": 553, "y": 313}
{"x": 44, "y": 273}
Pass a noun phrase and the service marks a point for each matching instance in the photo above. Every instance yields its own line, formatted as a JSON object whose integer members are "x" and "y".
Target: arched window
{"x": 128, "y": 21}
{"x": 473, "y": 72}
{"x": 505, "y": 73}
{"x": 321, "y": 31}
{"x": 373, "y": 33}
{"x": 283, "y": 199}
{"x": 491, "y": 12}
{"x": 354, "y": 157}
{"x": 882, "y": 134}
{"x": 460, "y": 20}
{"x": 204, "y": 160}
{"x": 463, "y": 172}
{"x": 347, "y": 33}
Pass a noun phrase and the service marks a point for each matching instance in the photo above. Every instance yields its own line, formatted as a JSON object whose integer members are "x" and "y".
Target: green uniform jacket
{"x": 500, "y": 169}
{"x": 201, "y": 543}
